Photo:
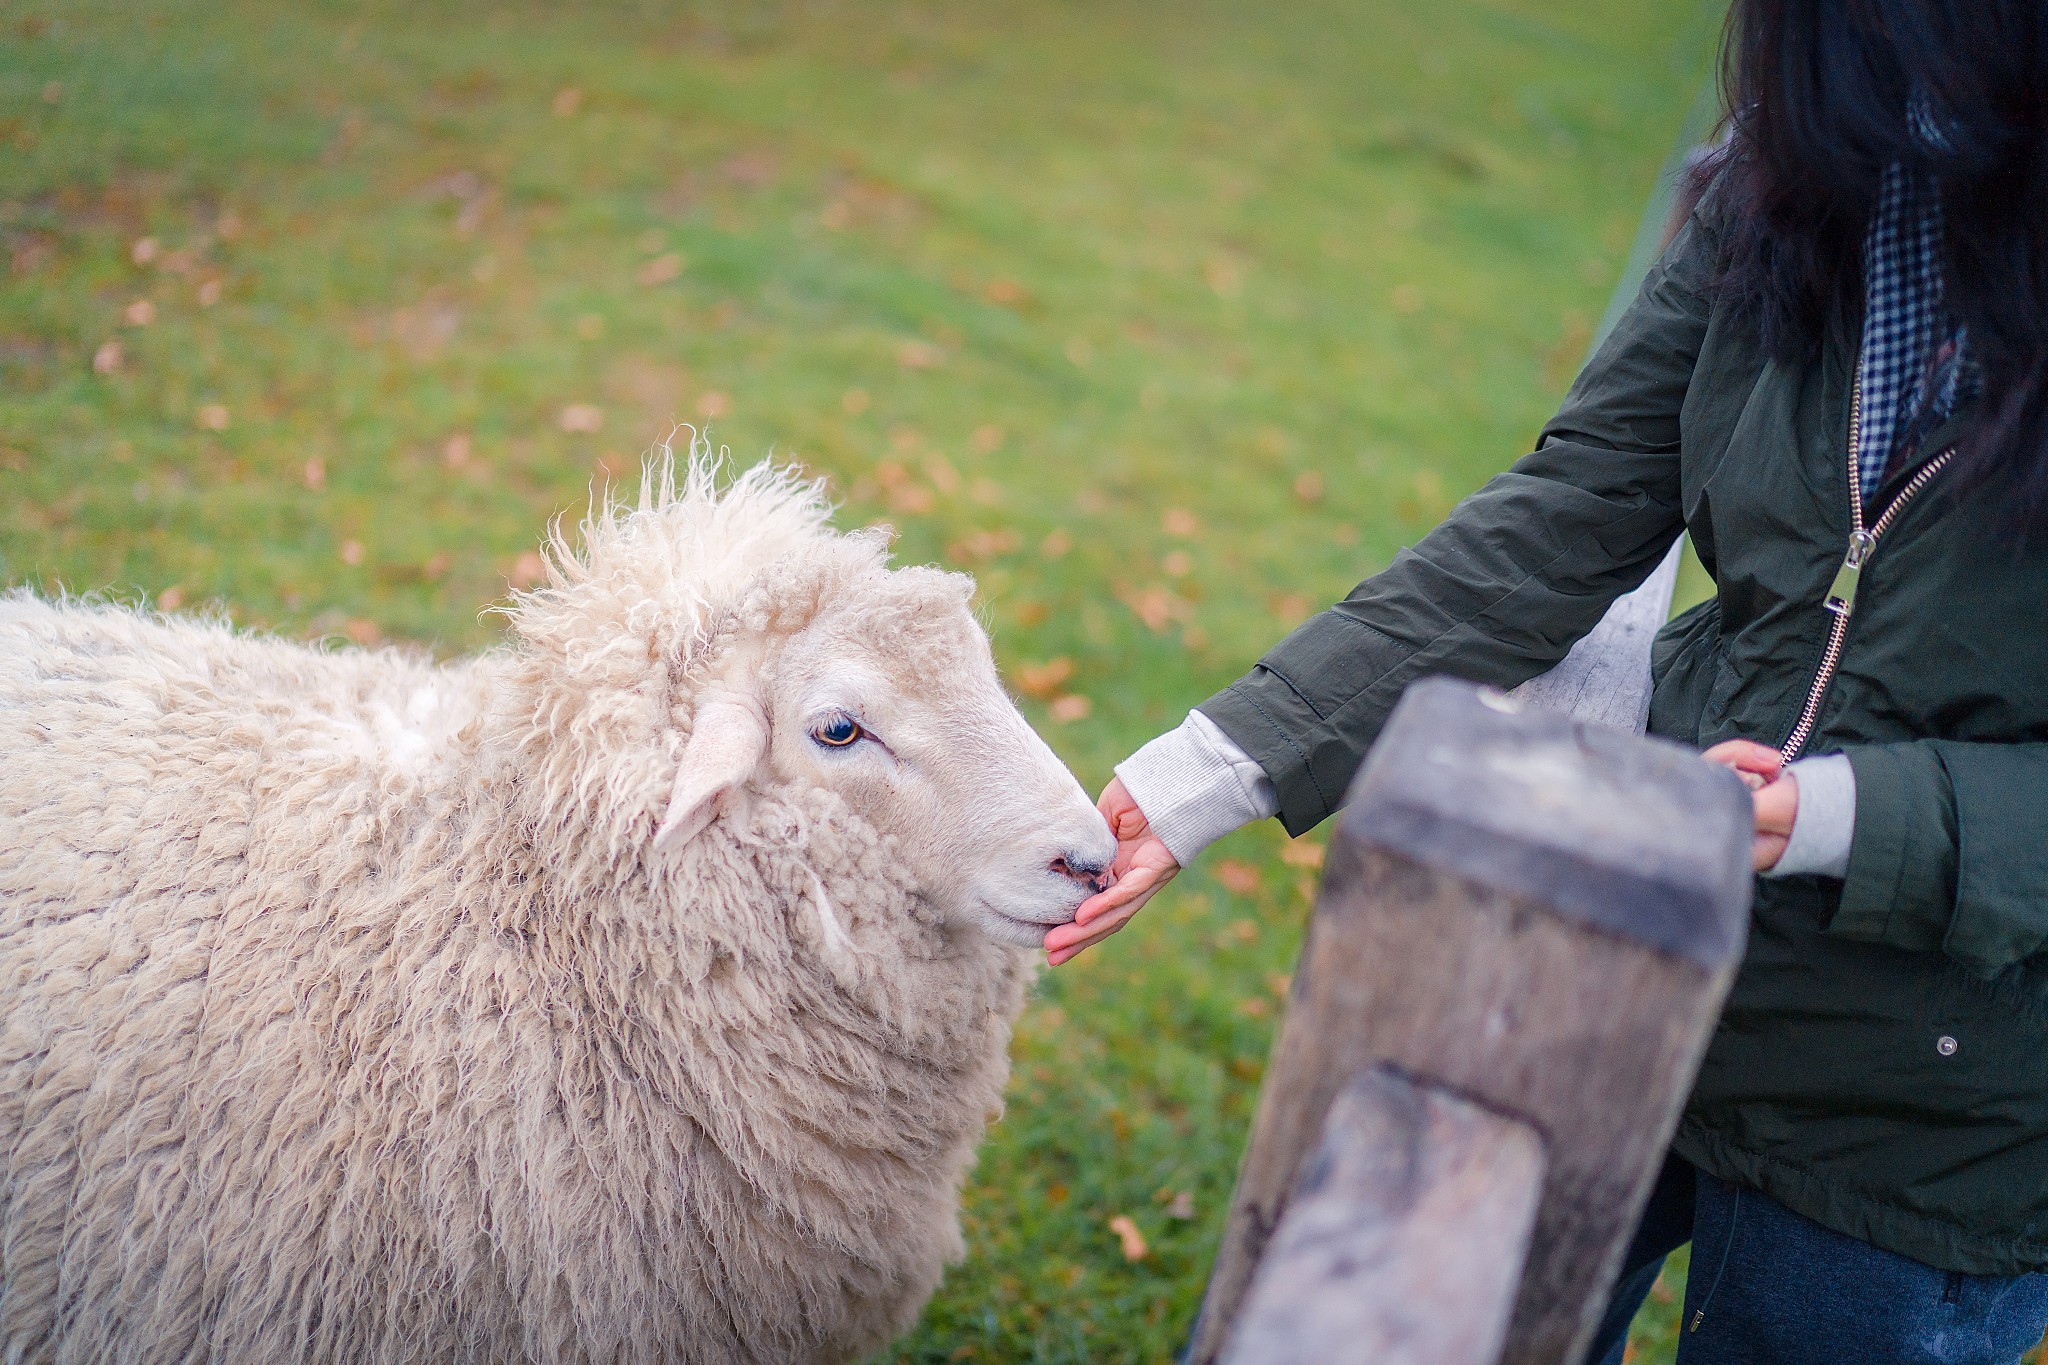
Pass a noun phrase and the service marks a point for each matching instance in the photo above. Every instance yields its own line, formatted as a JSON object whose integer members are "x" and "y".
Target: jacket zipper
{"x": 1841, "y": 598}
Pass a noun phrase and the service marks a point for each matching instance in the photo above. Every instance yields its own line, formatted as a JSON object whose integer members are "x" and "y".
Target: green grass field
{"x": 1167, "y": 321}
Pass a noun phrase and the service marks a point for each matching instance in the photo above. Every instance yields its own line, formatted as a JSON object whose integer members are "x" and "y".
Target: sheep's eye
{"x": 838, "y": 732}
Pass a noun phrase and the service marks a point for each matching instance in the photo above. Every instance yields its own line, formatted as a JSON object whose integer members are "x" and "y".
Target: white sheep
{"x": 636, "y": 992}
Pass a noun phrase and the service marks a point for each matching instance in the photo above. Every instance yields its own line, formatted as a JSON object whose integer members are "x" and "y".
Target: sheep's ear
{"x": 727, "y": 743}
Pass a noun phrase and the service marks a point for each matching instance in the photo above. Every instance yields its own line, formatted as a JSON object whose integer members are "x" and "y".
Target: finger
{"x": 1765, "y": 850}
{"x": 1777, "y": 807}
{"x": 1104, "y": 921}
{"x": 1746, "y": 756}
{"x": 1065, "y": 946}
{"x": 1126, "y": 821}
{"x": 1131, "y": 885}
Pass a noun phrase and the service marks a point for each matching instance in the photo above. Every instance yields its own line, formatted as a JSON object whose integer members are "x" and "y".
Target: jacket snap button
{"x": 1946, "y": 1047}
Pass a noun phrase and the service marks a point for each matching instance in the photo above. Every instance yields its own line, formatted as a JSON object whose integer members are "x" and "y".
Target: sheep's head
{"x": 791, "y": 654}
{"x": 888, "y": 696}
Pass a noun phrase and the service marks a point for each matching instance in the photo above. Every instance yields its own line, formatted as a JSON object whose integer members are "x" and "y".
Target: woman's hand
{"x": 1774, "y": 792}
{"x": 1142, "y": 866}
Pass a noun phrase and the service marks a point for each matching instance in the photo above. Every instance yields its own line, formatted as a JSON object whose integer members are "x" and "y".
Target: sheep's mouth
{"x": 1027, "y": 933}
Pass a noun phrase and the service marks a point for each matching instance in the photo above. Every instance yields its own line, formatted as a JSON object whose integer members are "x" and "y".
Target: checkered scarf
{"x": 1914, "y": 367}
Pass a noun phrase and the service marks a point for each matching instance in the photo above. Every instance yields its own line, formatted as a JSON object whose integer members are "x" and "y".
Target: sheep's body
{"x": 346, "y": 1015}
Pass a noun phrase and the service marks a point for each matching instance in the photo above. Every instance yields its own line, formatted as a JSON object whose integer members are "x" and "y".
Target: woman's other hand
{"x": 1773, "y": 791}
{"x": 1142, "y": 866}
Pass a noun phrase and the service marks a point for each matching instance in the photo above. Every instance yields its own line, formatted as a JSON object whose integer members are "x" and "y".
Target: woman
{"x": 1834, "y": 379}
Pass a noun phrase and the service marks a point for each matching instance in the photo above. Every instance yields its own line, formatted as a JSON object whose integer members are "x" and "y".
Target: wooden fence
{"x": 1529, "y": 920}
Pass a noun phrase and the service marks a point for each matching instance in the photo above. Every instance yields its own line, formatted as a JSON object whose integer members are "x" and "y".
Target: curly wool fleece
{"x": 346, "y": 1015}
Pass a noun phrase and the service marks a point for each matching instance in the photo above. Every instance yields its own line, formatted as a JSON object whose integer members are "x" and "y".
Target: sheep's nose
{"x": 1094, "y": 876}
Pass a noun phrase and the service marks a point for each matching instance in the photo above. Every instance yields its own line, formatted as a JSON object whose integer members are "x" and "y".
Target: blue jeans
{"x": 1769, "y": 1287}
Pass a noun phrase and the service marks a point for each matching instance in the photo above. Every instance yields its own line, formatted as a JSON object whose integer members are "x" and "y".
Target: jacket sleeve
{"x": 1518, "y": 572}
{"x": 1951, "y": 850}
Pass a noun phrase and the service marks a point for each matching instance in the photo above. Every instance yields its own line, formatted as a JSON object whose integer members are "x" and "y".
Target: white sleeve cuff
{"x": 1195, "y": 786}
{"x": 1825, "y": 826}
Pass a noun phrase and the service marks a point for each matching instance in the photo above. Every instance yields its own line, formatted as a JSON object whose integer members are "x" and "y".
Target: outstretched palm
{"x": 1142, "y": 866}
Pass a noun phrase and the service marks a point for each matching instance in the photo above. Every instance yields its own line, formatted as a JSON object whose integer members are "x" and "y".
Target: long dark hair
{"x": 1819, "y": 93}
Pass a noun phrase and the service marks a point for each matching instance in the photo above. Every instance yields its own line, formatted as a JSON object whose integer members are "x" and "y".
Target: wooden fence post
{"x": 1405, "y": 1235}
{"x": 1540, "y": 917}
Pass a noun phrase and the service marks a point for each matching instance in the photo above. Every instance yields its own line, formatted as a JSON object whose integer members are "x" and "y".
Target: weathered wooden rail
{"x": 1525, "y": 933}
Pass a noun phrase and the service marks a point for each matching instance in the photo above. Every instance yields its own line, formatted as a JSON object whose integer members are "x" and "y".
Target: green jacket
{"x": 1882, "y": 1064}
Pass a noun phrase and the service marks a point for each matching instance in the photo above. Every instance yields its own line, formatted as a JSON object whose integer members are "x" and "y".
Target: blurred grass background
{"x": 1167, "y": 321}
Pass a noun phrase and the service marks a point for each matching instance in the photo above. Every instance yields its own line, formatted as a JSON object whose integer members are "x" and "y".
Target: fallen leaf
{"x": 171, "y": 598}
{"x": 316, "y": 473}
{"x": 139, "y": 313}
{"x": 986, "y": 439}
{"x": 905, "y": 437}
{"x": 1127, "y": 1233}
{"x": 987, "y": 492}
{"x": 53, "y": 92}
{"x": 751, "y": 170}
{"x": 1179, "y": 521}
{"x": 587, "y": 418}
{"x": 1291, "y": 608}
{"x": 1309, "y": 487}
{"x": 1224, "y": 276}
{"x": 1280, "y": 983}
{"x": 940, "y": 471}
{"x": 425, "y": 331}
{"x": 527, "y": 570}
{"x": 1303, "y": 853}
{"x": 567, "y": 101}
{"x": 714, "y": 403}
{"x": 919, "y": 355}
{"x": 437, "y": 566}
{"x": 1242, "y": 930}
{"x": 854, "y": 402}
{"x": 363, "y": 631}
{"x": 661, "y": 269}
{"x": 913, "y": 499}
{"x": 1255, "y": 1007}
{"x": 1238, "y": 878}
{"x": 455, "y": 451}
{"x": 1008, "y": 293}
{"x": 1158, "y": 608}
{"x": 107, "y": 358}
{"x": 1056, "y": 543}
{"x": 144, "y": 251}
{"x": 1177, "y": 564}
{"x": 1080, "y": 352}
{"x": 1182, "y": 1207}
{"x": 351, "y": 552}
{"x": 1044, "y": 681}
{"x": 1032, "y": 613}
{"x": 1069, "y": 708}
{"x": 590, "y": 326}
{"x": 228, "y": 226}
{"x": 978, "y": 545}
{"x": 213, "y": 416}
{"x": 209, "y": 293}
{"x": 890, "y": 473}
